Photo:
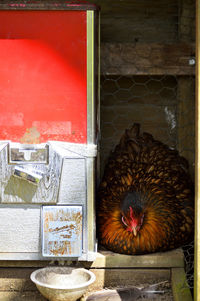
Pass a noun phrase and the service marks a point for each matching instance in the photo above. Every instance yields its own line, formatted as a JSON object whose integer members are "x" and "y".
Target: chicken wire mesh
{"x": 189, "y": 264}
{"x": 164, "y": 106}
{"x": 157, "y": 103}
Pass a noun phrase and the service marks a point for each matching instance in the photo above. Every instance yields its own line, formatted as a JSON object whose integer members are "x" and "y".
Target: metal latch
{"x": 28, "y": 174}
{"x": 28, "y": 153}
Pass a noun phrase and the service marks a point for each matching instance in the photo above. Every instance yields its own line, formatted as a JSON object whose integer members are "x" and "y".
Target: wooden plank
{"x": 15, "y": 284}
{"x": 155, "y": 292}
{"x": 143, "y": 21}
{"x": 186, "y": 89}
{"x": 197, "y": 163}
{"x": 126, "y": 277}
{"x": 186, "y": 24}
{"x": 16, "y": 279}
{"x": 23, "y": 263}
{"x": 26, "y": 296}
{"x": 147, "y": 59}
{"x": 107, "y": 259}
{"x": 186, "y": 120}
{"x": 181, "y": 291}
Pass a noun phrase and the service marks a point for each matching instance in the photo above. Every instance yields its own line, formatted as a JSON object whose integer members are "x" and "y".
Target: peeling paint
{"x": 53, "y": 127}
{"x": 31, "y": 136}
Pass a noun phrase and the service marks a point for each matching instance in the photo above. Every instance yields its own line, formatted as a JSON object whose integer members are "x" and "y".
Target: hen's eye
{"x": 124, "y": 222}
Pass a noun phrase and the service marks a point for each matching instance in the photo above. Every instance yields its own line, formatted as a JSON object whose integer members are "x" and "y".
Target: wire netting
{"x": 164, "y": 106}
{"x": 189, "y": 264}
{"x": 158, "y": 103}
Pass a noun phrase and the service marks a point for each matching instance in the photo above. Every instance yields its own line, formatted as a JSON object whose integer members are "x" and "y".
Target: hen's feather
{"x": 160, "y": 176}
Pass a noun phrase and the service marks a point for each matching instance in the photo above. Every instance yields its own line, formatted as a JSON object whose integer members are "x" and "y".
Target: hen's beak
{"x": 134, "y": 231}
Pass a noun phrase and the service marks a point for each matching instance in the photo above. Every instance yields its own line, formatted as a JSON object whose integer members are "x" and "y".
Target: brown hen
{"x": 145, "y": 200}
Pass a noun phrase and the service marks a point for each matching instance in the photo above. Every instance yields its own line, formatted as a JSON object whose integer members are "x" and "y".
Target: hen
{"x": 145, "y": 200}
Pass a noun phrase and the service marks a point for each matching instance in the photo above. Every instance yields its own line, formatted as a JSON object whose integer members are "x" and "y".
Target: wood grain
{"x": 181, "y": 291}
{"x": 147, "y": 59}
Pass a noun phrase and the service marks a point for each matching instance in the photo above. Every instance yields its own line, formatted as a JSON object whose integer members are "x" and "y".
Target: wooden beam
{"x": 147, "y": 59}
{"x": 127, "y": 277}
{"x": 197, "y": 161}
{"x": 19, "y": 296}
{"x": 107, "y": 259}
{"x": 186, "y": 89}
{"x": 181, "y": 291}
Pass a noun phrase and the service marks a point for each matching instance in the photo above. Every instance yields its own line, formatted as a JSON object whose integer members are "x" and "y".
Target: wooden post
{"x": 181, "y": 291}
{"x": 197, "y": 165}
{"x": 185, "y": 87}
{"x": 185, "y": 116}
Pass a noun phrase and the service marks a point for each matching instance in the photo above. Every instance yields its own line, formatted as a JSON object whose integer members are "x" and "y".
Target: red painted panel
{"x": 43, "y": 76}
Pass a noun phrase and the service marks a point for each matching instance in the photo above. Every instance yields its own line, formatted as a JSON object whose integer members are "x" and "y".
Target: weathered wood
{"x": 197, "y": 164}
{"x": 127, "y": 277}
{"x": 147, "y": 59}
{"x": 149, "y": 292}
{"x": 26, "y": 296}
{"x": 23, "y": 263}
{"x": 186, "y": 24}
{"x": 15, "y": 284}
{"x": 143, "y": 21}
{"x": 108, "y": 259}
{"x": 186, "y": 119}
{"x": 181, "y": 291}
{"x": 186, "y": 88}
{"x": 16, "y": 279}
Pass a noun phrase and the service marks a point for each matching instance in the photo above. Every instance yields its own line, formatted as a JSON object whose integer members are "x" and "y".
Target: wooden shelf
{"x": 107, "y": 259}
{"x": 147, "y": 59}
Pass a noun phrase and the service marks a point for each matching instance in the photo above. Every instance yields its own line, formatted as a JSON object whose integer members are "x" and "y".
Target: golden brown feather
{"x": 145, "y": 200}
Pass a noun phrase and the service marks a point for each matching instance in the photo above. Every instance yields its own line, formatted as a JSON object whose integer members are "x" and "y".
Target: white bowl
{"x": 62, "y": 283}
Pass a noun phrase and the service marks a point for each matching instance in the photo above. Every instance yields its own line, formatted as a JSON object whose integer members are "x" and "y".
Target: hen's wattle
{"x": 158, "y": 179}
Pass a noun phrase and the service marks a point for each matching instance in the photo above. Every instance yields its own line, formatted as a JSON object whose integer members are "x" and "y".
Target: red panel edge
{"x": 48, "y": 5}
